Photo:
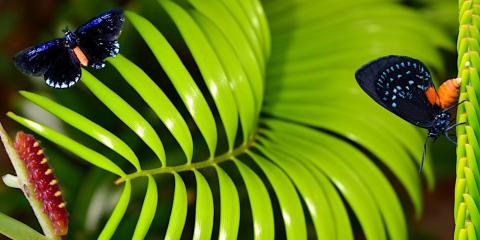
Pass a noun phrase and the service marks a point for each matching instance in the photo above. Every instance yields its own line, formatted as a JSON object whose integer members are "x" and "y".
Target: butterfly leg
{"x": 423, "y": 155}
{"x": 453, "y": 126}
{"x": 449, "y": 139}
{"x": 450, "y": 128}
{"x": 99, "y": 65}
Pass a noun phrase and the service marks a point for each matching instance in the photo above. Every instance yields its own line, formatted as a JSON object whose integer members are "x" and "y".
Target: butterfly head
{"x": 439, "y": 125}
{"x": 71, "y": 40}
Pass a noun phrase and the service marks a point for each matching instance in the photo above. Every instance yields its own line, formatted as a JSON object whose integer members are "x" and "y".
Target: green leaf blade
{"x": 204, "y": 209}
{"x": 157, "y": 100}
{"x": 179, "y": 76}
{"x": 260, "y": 202}
{"x": 218, "y": 10}
{"x": 245, "y": 52}
{"x": 71, "y": 145}
{"x": 371, "y": 177}
{"x": 118, "y": 213}
{"x": 149, "y": 208}
{"x": 85, "y": 125}
{"x": 241, "y": 88}
{"x": 292, "y": 212}
{"x": 380, "y": 143}
{"x": 133, "y": 119}
{"x": 317, "y": 203}
{"x": 356, "y": 195}
{"x": 247, "y": 22}
{"x": 229, "y": 206}
{"x": 15, "y": 229}
{"x": 210, "y": 67}
{"x": 179, "y": 210}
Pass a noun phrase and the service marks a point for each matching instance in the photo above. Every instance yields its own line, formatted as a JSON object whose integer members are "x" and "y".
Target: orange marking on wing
{"x": 431, "y": 95}
{"x": 81, "y": 56}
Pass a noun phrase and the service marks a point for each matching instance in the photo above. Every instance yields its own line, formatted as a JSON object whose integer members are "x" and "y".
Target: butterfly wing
{"x": 398, "y": 83}
{"x": 37, "y": 59}
{"x": 64, "y": 71}
{"x": 98, "y": 37}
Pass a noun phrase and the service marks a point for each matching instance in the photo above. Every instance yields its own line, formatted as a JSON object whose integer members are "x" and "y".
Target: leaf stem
{"x": 191, "y": 166}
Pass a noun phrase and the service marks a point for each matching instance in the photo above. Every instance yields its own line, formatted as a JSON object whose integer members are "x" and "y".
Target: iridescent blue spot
{"x": 394, "y": 105}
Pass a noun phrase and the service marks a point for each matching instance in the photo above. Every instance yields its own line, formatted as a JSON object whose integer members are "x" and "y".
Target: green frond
{"x": 286, "y": 130}
{"x": 467, "y": 192}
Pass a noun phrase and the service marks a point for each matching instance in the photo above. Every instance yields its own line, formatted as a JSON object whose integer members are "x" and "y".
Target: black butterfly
{"x": 59, "y": 60}
{"x": 403, "y": 85}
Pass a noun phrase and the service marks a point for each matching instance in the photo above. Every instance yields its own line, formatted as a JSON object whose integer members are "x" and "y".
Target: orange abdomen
{"x": 447, "y": 94}
{"x": 80, "y": 56}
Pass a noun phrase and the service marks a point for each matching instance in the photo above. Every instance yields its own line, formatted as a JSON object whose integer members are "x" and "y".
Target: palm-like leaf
{"x": 288, "y": 88}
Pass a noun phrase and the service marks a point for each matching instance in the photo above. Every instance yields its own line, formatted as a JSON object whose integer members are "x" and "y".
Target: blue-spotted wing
{"x": 399, "y": 83}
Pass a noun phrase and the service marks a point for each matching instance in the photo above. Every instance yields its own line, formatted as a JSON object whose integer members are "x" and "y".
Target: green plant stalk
{"x": 15, "y": 229}
{"x": 467, "y": 196}
{"x": 26, "y": 186}
{"x": 190, "y": 166}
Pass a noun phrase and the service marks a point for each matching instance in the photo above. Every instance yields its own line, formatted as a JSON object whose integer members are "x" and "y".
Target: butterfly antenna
{"x": 455, "y": 105}
{"x": 65, "y": 29}
{"x": 423, "y": 155}
{"x": 454, "y": 125}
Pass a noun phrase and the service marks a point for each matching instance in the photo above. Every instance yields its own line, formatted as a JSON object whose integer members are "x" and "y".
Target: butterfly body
{"x": 403, "y": 85}
{"x": 59, "y": 60}
{"x": 447, "y": 94}
{"x": 440, "y": 124}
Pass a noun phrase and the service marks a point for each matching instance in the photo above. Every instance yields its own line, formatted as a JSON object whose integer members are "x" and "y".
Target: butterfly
{"x": 59, "y": 60}
{"x": 403, "y": 85}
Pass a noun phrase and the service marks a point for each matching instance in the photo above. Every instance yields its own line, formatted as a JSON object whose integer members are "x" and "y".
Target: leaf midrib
{"x": 230, "y": 155}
